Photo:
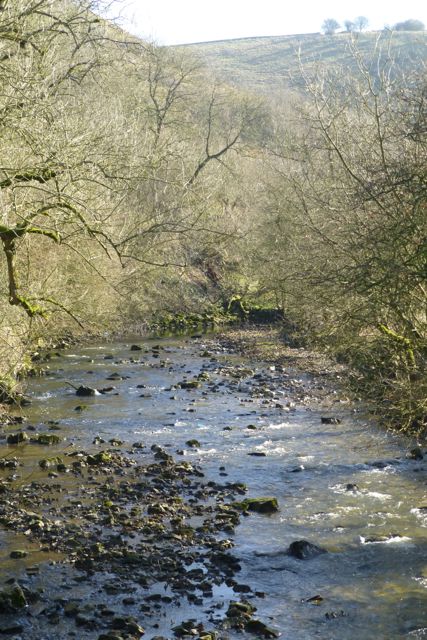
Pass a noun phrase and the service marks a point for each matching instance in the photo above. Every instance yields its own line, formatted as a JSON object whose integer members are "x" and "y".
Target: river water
{"x": 347, "y": 487}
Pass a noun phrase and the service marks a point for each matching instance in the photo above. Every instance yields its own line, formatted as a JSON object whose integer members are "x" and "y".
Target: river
{"x": 341, "y": 483}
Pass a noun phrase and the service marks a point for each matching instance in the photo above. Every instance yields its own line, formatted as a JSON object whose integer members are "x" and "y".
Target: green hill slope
{"x": 267, "y": 63}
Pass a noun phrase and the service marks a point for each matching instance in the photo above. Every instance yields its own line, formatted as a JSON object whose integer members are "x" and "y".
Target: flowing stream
{"x": 347, "y": 487}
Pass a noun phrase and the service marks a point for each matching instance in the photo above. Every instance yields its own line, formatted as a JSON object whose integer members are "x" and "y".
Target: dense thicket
{"x": 112, "y": 162}
{"x": 348, "y": 216}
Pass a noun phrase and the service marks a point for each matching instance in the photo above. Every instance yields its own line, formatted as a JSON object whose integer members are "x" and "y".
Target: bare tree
{"x": 117, "y": 181}
{"x": 50, "y": 181}
{"x": 361, "y": 23}
{"x": 354, "y": 198}
{"x": 186, "y": 133}
{"x": 330, "y": 26}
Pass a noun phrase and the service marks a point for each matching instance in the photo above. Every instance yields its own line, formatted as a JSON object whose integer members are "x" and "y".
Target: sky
{"x": 170, "y": 22}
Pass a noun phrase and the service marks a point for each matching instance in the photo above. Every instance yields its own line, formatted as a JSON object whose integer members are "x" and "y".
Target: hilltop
{"x": 269, "y": 63}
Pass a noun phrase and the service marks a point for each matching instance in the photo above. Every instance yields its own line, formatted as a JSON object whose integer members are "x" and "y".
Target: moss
{"x": 399, "y": 340}
{"x": 47, "y": 439}
{"x": 32, "y": 310}
{"x": 236, "y": 609}
{"x": 17, "y": 438}
{"x": 183, "y": 322}
{"x": 17, "y": 597}
{"x": 258, "y": 505}
{"x": 8, "y": 392}
{"x": 204, "y": 375}
{"x": 45, "y": 463}
{"x": 100, "y": 458}
{"x": 236, "y": 307}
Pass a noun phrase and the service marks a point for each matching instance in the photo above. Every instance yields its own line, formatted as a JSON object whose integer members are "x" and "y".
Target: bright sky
{"x": 184, "y": 21}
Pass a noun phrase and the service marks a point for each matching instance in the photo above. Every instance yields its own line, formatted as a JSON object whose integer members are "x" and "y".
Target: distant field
{"x": 266, "y": 63}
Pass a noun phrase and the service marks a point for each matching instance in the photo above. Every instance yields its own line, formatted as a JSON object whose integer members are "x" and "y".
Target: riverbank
{"x": 336, "y": 380}
{"x": 267, "y": 344}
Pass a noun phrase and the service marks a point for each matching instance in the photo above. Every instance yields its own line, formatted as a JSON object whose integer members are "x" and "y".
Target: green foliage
{"x": 100, "y": 215}
{"x": 400, "y": 341}
{"x": 188, "y": 322}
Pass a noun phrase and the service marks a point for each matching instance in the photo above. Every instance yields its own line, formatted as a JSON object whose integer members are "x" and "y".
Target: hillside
{"x": 270, "y": 63}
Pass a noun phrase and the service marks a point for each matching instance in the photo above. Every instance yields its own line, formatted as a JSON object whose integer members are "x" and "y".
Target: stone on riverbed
{"x": 12, "y": 463}
{"x": 304, "y": 550}
{"x": 12, "y": 599}
{"x": 330, "y": 420}
{"x": 46, "y": 439}
{"x": 13, "y": 627}
{"x": 193, "y": 443}
{"x": 261, "y": 629}
{"x": 189, "y": 384}
{"x": 415, "y": 454}
{"x": 129, "y": 625}
{"x": 185, "y": 629}
{"x": 17, "y": 554}
{"x": 237, "y": 609}
{"x": 240, "y": 616}
{"x": 45, "y": 463}
{"x": 99, "y": 458}
{"x": 86, "y": 391}
{"x": 259, "y": 505}
{"x": 16, "y": 438}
